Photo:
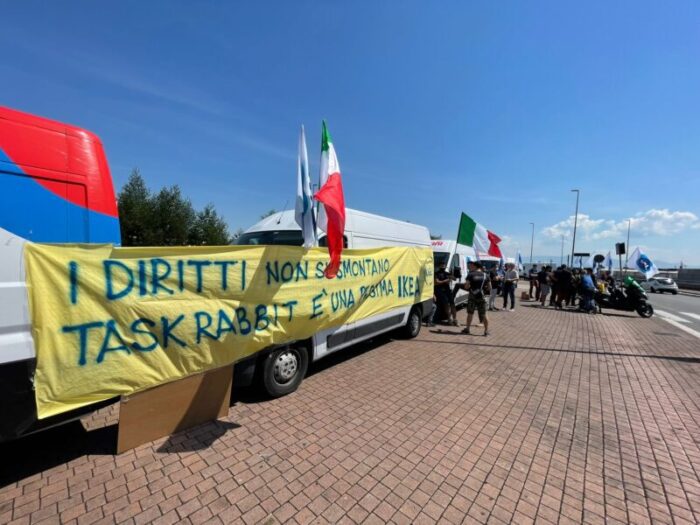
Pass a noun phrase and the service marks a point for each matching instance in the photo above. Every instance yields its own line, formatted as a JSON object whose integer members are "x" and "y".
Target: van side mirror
{"x": 457, "y": 272}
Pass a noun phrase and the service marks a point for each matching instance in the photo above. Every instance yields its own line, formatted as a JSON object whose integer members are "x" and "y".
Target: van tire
{"x": 413, "y": 325}
{"x": 284, "y": 369}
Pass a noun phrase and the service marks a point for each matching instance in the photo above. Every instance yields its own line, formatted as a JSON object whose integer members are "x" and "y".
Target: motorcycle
{"x": 631, "y": 300}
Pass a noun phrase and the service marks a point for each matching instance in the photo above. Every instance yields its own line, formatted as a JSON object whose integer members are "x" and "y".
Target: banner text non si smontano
{"x": 111, "y": 321}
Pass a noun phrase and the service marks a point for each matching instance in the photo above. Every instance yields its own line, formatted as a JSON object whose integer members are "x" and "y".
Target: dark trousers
{"x": 508, "y": 291}
{"x": 562, "y": 296}
{"x": 536, "y": 286}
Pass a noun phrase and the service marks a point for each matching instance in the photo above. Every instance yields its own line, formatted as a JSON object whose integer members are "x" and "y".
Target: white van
{"x": 455, "y": 256}
{"x": 282, "y": 369}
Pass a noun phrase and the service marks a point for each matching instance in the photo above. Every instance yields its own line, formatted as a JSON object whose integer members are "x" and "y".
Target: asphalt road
{"x": 682, "y": 311}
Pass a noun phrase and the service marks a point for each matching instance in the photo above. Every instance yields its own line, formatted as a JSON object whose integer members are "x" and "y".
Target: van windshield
{"x": 490, "y": 265}
{"x": 440, "y": 258}
{"x": 279, "y": 237}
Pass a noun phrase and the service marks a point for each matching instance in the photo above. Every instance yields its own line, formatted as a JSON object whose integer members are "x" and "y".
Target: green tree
{"x": 174, "y": 217}
{"x": 209, "y": 228}
{"x": 267, "y": 214}
{"x": 135, "y": 211}
{"x": 435, "y": 236}
{"x": 166, "y": 218}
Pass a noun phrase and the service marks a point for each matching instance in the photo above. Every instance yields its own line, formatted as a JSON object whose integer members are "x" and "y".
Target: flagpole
{"x": 629, "y": 226}
{"x": 573, "y": 242}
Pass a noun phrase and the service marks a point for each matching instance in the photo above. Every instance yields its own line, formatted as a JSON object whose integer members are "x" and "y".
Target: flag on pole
{"x": 608, "y": 262}
{"x": 331, "y": 217}
{"x": 640, "y": 261}
{"x": 520, "y": 262}
{"x": 590, "y": 262}
{"x": 303, "y": 208}
{"x": 473, "y": 234}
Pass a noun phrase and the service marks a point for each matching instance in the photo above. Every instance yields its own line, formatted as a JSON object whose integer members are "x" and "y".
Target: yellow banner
{"x": 112, "y": 321}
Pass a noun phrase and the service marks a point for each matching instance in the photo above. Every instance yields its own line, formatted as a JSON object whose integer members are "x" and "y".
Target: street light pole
{"x": 562, "y": 250}
{"x": 627, "y": 250}
{"x": 532, "y": 240}
{"x": 573, "y": 241}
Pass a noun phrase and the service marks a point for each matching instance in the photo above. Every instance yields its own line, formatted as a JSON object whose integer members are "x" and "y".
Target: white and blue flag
{"x": 641, "y": 262}
{"x": 520, "y": 262}
{"x": 303, "y": 208}
{"x": 608, "y": 263}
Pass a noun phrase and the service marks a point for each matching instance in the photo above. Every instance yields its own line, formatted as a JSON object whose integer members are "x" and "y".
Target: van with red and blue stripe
{"x": 55, "y": 187}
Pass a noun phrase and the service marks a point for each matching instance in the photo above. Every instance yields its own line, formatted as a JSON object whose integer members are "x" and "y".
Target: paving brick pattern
{"x": 557, "y": 417}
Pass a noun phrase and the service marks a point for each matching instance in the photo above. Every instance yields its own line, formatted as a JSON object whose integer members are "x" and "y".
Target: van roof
{"x": 42, "y": 122}
{"x": 356, "y": 221}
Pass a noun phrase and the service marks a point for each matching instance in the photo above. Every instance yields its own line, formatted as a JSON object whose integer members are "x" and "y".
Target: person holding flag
{"x": 303, "y": 208}
{"x": 331, "y": 217}
{"x": 608, "y": 262}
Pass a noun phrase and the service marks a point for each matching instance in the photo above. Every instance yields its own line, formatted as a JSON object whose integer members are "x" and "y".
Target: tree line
{"x": 167, "y": 217}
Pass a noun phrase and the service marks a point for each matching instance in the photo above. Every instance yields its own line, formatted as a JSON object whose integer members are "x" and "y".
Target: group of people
{"x": 563, "y": 285}
{"x": 480, "y": 286}
{"x": 554, "y": 287}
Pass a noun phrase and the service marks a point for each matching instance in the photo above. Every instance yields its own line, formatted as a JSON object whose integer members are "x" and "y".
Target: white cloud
{"x": 661, "y": 222}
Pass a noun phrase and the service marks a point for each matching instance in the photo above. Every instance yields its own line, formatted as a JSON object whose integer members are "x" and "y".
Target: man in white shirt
{"x": 510, "y": 281}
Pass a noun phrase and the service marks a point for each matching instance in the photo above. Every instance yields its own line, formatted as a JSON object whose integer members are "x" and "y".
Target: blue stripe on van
{"x": 32, "y": 212}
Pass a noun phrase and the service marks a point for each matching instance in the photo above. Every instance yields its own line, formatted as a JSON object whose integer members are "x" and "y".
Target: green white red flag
{"x": 331, "y": 216}
{"x": 473, "y": 234}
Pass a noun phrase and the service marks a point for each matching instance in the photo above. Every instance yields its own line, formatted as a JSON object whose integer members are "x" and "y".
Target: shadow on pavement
{"x": 253, "y": 394}
{"x": 200, "y": 437}
{"x": 572, "y": 310}
{"x": 565, "y": 350}
{"x": 35, "y": 453}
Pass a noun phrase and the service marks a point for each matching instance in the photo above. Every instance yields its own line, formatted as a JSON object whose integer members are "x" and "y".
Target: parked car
{"x": 661, "y": 285}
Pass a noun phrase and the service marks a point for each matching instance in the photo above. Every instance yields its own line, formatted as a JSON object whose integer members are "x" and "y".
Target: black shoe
{"x": 466, "y": 331}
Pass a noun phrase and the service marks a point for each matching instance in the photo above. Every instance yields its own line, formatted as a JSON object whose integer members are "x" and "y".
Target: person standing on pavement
{"x": 510, "y": 281}
{"x": 495, "y": 280}
{"x": 587, "y": 291}
{"x": 478, "y": 285}
{"x": 544, "y": 280}
{"x": 534, "y": 283}
{"x": 563, "y": 283}
{"x": 443, "y": 293}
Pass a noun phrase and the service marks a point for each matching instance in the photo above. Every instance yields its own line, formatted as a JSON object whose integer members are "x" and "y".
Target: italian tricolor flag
{"x": 473, "y": 234}
{"x": 331, "y": 217}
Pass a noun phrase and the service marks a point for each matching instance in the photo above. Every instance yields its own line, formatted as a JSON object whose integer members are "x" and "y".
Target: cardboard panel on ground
{"x": 172, "y": 407}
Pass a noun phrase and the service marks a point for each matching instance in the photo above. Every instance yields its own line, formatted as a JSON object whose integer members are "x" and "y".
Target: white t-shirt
{"x": 512, "y": 275}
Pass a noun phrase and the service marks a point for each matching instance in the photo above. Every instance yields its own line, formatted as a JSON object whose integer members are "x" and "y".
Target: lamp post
{"x": 532, "y": 240}
{"x": 562, "y": 250}
{"x": 627, "y": 248}
{"x": 573, "y": 241}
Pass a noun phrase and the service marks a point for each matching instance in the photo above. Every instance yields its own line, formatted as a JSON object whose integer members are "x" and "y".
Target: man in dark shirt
{"x": 478, "y": 285}
{"x": 563, "y": 279}
{"x": 443, "y": 293}
{"x": 543, "y": 282}
{"x": 534, "y": 283}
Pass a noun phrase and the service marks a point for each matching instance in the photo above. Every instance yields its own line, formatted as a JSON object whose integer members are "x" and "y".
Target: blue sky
{"x": 490, "y": 108}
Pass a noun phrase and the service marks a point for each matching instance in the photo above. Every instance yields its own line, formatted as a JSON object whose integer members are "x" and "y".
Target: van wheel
{"x": 412, "y": 327}
{"x": 284, "y": 369}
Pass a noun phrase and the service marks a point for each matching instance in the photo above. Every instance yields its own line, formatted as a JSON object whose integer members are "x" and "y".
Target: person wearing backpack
{"x": 478, "y": 285}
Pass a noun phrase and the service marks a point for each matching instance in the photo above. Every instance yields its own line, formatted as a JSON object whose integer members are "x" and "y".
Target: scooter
{"x": 632, "y": 300}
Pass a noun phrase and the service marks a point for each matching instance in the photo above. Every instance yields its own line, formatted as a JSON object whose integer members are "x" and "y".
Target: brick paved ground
{"x": 558, "y": 417}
